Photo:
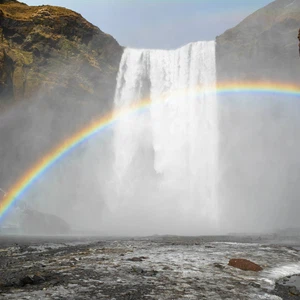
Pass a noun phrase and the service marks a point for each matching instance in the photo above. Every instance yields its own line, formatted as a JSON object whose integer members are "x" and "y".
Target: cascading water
{"x": 166, "y": 154}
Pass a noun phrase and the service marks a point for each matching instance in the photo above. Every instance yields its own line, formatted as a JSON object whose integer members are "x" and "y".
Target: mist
{"x": 258, "y": 132}
{"x": 72, "y": 188}
{"x": 259, "y": 163}
{"x": 257, "y": 170}
{"x": 186, "y": 168}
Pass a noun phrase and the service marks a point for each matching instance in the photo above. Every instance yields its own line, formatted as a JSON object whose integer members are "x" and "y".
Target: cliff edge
{"x": 263, "y": 46}
{"x": 53, "y": 48}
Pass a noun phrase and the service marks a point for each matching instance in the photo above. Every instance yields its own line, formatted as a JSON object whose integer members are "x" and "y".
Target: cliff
{"x": 57, "y": 73}
{"x": 264, "y": 45}
{"x": 46, "y": 49}
{"x": 299, "y": 41}
{"x": 259, "y": 149}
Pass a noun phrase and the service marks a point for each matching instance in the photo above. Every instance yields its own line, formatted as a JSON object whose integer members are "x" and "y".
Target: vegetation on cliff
{"x": 49, "y": 48}
{"x": 64, "y": 68}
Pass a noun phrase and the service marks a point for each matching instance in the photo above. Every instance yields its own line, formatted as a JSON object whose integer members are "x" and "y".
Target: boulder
{"x": 141, "y": 258}
{"x": 37, "y": 223}
{"x": 244, "y": 264}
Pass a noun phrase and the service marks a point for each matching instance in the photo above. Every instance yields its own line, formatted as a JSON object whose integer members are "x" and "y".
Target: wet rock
{"x": 254, "y": 284}
{"x": 169, "y": 276}
{"x": 137, "y": 270}
{"x": 288, "y": 288}
{"x": 151, "y": 273}
{"x": 294, "y": 291}
{"x": 299, "y": 40}
{"x": 141, "y": 271}
{"x": 244, "y": 264}
{"x": 140, "y": 258}
{"x": 32, "y": 279}
{"x": 22, "y": 281}
{"x": 74, "y": 259}
{"x": 219, "y": 266}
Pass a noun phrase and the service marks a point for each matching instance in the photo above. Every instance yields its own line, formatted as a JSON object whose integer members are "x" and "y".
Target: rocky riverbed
{"x": 157, "y": 267}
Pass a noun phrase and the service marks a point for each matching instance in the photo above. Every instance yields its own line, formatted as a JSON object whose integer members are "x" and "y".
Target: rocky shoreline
{"x": 288, "y": 288}
{"x": 140, "y": 268}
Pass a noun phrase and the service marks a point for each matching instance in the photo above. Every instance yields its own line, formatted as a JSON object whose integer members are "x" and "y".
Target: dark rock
{"x": 294, "y": 291}
{"x": 137, "y": 270}
{"x": 244, "y": 264}
{"x": 219, "y": 266}
{"x": 288, "y": 287}
{"x": 28, "y": 279}
{"x": 299, "y": 40}
{"x": 254, "y": 284}
{"x": 141, "y": 258}
{"x": 75, "y": 259}
{"x": 34, "y": 222}
{"x": 151, "y": 273}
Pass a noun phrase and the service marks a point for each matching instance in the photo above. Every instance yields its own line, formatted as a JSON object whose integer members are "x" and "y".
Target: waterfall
{"x": 166, "y": 155}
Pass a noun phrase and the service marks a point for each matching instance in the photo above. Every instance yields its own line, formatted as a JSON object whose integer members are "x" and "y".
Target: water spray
{"x": 4, "y": 193}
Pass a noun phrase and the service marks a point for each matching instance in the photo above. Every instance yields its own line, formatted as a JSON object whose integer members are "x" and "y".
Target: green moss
{"x": 21, "y": 57}
{"x": 67, "y": 47}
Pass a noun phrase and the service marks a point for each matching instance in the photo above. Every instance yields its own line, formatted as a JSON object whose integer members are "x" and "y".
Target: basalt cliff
{"x": 57, "y": 74}
{"x": 263, "y": 46}
{"x": 46, "y": 48}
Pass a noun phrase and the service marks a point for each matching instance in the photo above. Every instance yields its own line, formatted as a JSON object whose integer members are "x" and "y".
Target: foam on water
{"x": 192, "y": 270}
{"x": 271, "y": 275}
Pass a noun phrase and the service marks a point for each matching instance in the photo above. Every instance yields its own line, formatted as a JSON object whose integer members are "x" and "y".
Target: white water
{"x": 166, "y": 155}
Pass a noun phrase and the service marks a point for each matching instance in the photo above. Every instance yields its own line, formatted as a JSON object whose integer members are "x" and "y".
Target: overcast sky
{"x": 161, "y": 23}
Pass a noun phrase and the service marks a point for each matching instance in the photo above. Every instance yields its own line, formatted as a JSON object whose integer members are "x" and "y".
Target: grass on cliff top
{"x": 21, "y": 11}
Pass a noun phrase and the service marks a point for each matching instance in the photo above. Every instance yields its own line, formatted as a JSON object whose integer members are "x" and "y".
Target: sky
{"x": 162, "y": 24}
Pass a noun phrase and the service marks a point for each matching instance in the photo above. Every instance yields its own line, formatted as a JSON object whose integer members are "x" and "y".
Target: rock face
{"x": 65, "y": 70}
{"x": 299, "y": 41}
{"x": 245, "y": 265}
{"x": 263, "y": 46}
{"x": 34, "y": 222}
{"x": 49, "y": 48}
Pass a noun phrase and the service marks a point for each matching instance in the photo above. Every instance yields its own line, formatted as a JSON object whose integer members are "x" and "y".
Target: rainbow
{"x": 36, "y": 171}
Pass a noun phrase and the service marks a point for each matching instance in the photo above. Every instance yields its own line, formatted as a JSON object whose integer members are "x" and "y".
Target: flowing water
{"x": 146, "y": 268}
{"x": 166, "y": 154}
